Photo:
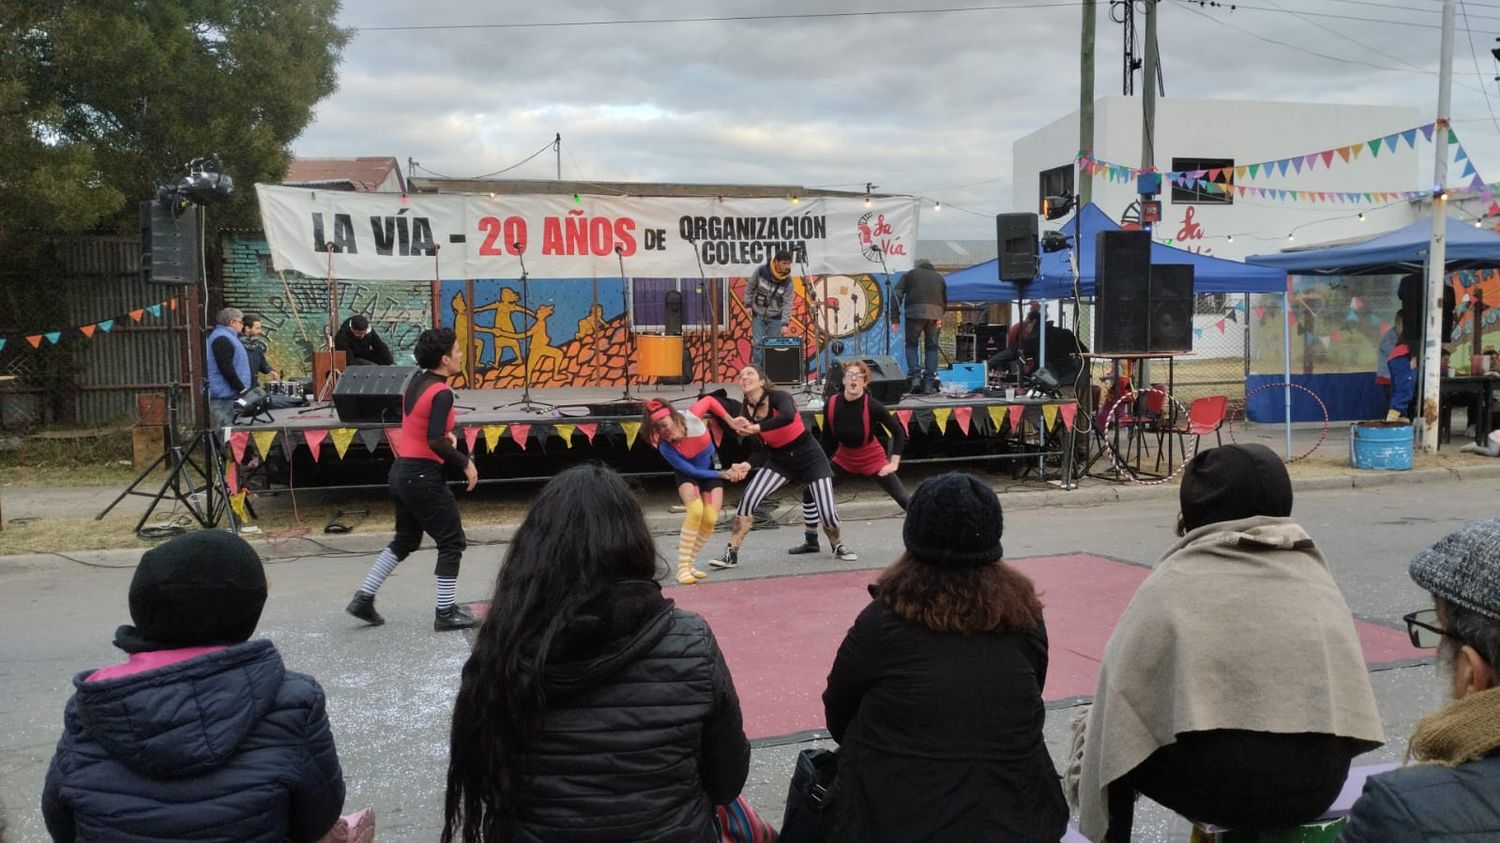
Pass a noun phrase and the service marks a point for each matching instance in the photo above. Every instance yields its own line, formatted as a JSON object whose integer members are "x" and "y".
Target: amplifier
{"x": 783, "y": 360}
{"x": 963, "y": 348}
{"x": 372, "y": 393}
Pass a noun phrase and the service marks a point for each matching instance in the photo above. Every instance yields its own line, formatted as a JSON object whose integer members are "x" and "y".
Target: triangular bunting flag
{"x": 314, "y": 439}
{"x": 87, "y": 330}
{"x": 942, "y": 414}
{"x": 631, "y": 428}
{"x": 137, "y": 314}
{"x": 1356, "y": 303}
{"x": 1281, "y": 165}
{"x": 1452, "y": 138}
{"x": 1260, "y": 313}
{"x": 1336, "y": 336}
{"x": 521, "y": 432}
{"x": 232, "y": 477}
{"x": 2, "y": 343}
{"x": 392, "y": 434}
{"x": 904, "y": 416}
{"x": 566, "y": 432}
{"x": 997, "y": 416}
{"x": 1426, "y": 132}
{"x": 53, "y": 337}
{"x": 107, "y": 325}
{"x": 1343, "y": 152}
{"x": 1049, "y": 415}
{"x": 1197, "y": 333}
{"x": 237, "y": 503}
{"x": 963, "y": 414}
{"x": 588, "y": 429}
{"x": 1240, "y": 171}
{"x": 1468, "y": 169}
{"x": 237, "y": 441}
{"x": 341, "y": 437}
{"x": 1220, "y": 326}
{"x": 923, "y": 420}
{"x": 1356, "y": 148}
{"x": 1014, "y": 411}
{"x": 492, "y": 434}
{"x": 1069, "y": 413}
{"x": 1384, "y": 326}
{"x": 370, "y": 438}
{"x": 1254, "y": 170}
{"x": 1410, "y": 136}
{"x": 1374, "y": 145}
{"x": 471, "y": 437}
{"x": 1391, "y": 141}
{"x": 1297, "y": 163}
{"x": 264, "y": 439}
{"x": 1325, "y": 341}
{"x": 1327, "y": 158}
{"x": 154, "y": 310}
{"x": 1352, "y": 317}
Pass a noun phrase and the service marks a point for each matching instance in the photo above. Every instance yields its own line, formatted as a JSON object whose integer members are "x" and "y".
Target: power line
{"x": 1360, "y": 18}
{"x": 544, "y": 148}
{"x": 1057, "y": 4}
{"x": 1474, "y": 54}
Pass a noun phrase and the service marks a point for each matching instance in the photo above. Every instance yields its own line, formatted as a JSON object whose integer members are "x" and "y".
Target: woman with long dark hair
{"x": 935, "y": 696}
{"x": 861, "y": 439}
{"x": 788, "y": 454}
{"x": 687, "y": 443}
{"x": 591, "y": 709}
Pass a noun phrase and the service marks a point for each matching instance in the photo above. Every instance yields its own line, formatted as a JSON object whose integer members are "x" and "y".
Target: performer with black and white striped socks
{"x": 419, "y": 487}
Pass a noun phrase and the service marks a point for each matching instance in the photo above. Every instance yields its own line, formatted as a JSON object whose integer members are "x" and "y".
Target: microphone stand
{"x": 526, "y": 404}
{"x": 706, "y": 298}
{"x": 815, "y": 310}
{"x": 884, "y": 319}
{"x": 629, "y": 332}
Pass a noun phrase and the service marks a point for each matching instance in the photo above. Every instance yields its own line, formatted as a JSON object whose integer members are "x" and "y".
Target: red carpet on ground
{"x": 780, "y": 634}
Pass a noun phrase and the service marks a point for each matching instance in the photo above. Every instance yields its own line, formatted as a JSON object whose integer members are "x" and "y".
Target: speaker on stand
{"x": 1170, "y": 327}
{"x": 1016, "y": 237}
{"x": 888, "y": 382}
{"x": 1122, "y": 284}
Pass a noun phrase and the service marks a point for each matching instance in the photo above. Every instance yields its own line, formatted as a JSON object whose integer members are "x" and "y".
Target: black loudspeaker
{"x": 989, "y": 340}
{"x": 888, "y": 381}
{"x": 169, "y": 244}
{"x": 674, "y": 313}
{"x": 1171, "y": 324}
{"x": 372, "y": 393}
{"x": 1015, "y": 235}
{"x": 1122, "y": 292}
{"x": 783, "y": 358}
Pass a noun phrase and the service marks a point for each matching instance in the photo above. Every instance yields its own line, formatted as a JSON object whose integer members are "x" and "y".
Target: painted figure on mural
{"x": 461, "y": 327}
{"x": 504, "y": 331}
{"x": 593, "y": 323}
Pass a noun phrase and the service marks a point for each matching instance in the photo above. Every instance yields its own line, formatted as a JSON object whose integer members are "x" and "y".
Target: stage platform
{"x": 577, "y": 424}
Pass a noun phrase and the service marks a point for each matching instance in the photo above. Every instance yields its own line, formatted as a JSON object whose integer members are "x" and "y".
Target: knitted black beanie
{"x": 199, "y": 589}
{"x": 954, "y": 520}
{"x": 1233, "y": 482}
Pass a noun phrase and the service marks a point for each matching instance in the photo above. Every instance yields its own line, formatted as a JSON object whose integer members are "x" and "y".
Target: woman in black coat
{"x": 591, "y": 709}
{"x": 935, "y": 696}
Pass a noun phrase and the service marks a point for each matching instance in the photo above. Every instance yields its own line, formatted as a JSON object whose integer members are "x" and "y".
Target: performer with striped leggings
{"x": 687, "y": 443}
{"x": 788, "y": 453}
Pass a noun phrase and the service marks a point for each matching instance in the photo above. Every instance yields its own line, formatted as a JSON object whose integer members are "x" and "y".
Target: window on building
{"x": 648, "y": 302}
{"x": 1057, "y": 181}
{"x": 1218, "y": 171}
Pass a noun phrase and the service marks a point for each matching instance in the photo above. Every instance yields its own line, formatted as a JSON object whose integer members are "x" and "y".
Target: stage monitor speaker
{"x": 1122, "y": 292}
{"x": 783, "y": 359}
{"x": 372, "y": 393}
{"x": 1171, "y": 324}
{"x": 169, "y": 244}
{"x": 1015, "y": 235}
{"x": 674, "y": 313}
{"x": 888, "y": 381}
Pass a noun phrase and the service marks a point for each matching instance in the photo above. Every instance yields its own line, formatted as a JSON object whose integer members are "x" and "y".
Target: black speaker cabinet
{"x": 888, "y": 381}
{"x": 372, "y": 393}
{"x": 1171, "y": 324}
{"x": 1015, "y": 235}
{"x": 674, "y": 313}
{"x": 169, "y": 244}
{"x": 783, "y": 357}
{"x": 989, "y": 340}
{"x": 1122, "y": 292}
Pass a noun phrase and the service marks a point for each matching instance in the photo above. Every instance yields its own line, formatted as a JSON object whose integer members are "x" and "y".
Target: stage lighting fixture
{"x": 205, "y": 183}
{"x": 1054, "y": 207}
{"x": 1055, "y": 241}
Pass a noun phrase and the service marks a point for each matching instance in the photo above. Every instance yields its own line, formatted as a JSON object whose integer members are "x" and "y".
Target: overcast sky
{"x": 923, "y": 101}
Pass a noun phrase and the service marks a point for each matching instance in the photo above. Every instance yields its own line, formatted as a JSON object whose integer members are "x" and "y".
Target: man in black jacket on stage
{"x": 361, "y": 344}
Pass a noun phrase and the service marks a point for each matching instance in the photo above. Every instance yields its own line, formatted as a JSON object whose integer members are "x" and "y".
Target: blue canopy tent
{"x": 980, "y": 283}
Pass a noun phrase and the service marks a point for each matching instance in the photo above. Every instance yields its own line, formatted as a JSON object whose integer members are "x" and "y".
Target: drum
{"x": 658, "y": 356}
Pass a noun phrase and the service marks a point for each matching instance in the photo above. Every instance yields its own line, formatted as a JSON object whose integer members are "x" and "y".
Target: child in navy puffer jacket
{"x": 202, "y": 734}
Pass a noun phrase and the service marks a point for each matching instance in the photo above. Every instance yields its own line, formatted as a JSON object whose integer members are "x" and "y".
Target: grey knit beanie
{"x": 1464, "y": 568}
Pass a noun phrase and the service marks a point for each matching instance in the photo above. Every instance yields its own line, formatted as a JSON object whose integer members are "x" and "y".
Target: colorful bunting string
{"x": 88, "y": 330}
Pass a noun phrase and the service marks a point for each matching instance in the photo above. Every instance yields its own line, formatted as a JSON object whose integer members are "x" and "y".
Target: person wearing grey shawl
{"x": 1233, "y": 689}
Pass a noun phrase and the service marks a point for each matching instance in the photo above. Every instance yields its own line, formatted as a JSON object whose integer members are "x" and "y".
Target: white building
{"x": 1220, "y": 136}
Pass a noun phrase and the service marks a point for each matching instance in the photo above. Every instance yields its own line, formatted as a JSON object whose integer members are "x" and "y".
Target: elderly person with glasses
{"x": 1232, "y": 690}
{"x": 1449, "y": 793}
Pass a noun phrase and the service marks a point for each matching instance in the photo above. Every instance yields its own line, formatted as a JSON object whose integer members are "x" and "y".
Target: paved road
{"x": 390, "y": 689}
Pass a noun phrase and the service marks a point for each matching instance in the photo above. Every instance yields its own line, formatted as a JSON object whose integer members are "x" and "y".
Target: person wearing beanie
{"x": 1446, "y": 790}
{"x": 202, "y": 734}
{"x": 935, "y": 696}
{"x": 1244, "y": 586}
{"x": 687, "y": 443}
{"x": 922, "y": 293}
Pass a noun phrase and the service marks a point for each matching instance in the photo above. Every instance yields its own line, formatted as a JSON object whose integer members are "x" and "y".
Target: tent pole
{"x": 1286, "y": 361}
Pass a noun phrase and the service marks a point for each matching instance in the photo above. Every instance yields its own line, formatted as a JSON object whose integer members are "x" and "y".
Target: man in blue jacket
{"x": 1450, "y": 789}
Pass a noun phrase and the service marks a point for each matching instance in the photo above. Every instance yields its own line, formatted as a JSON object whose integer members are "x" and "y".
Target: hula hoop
{"x": 1282, "y": 385}
{"x": 1120, "y": 466}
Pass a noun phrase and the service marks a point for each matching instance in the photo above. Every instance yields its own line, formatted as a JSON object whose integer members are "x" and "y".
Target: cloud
{"x": 913, "y": 102}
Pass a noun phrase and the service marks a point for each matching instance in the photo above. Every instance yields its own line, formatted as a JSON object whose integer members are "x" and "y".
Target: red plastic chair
{"x": 1205, "y": 416}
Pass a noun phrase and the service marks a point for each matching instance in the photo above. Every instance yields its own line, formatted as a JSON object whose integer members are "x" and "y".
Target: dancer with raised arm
{"x": 687, "y": 443}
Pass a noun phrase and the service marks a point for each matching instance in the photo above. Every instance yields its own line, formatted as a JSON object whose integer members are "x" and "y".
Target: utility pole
{"x": 557, "y": 152}
{"x": 1086, "y": 101}
{"x": 1437, "y": 252}
{"x": 1148, "y": 95}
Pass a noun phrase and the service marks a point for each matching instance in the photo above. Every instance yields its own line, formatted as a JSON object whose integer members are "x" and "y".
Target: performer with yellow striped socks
{"x": 687, "y": 443}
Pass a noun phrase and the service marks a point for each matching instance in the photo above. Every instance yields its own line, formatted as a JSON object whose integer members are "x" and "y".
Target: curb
{"x": 789, "y": 514}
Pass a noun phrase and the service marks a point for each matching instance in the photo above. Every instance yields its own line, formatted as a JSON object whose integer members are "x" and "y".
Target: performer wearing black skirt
{"x": 789, "y": 454}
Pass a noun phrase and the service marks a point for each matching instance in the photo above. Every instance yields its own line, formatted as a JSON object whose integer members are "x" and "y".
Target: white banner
{"x": 390, "y": 237}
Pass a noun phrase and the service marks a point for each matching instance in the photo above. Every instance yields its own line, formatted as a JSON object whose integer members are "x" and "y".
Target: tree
{"x": 102, "y": 99}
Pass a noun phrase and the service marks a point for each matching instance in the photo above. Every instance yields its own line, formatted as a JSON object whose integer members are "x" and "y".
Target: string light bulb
{"x": 937, "y": 206}
{"x": 1231, "y": 238}
{"x": 1291, "y": 236}
{"x": 1361, "y": 216}
{"x": 795, "y": 200}
{"x": 1479, "y": 223}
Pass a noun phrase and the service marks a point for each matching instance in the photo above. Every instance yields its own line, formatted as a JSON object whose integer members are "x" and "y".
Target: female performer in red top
{"x": 687, "y": 443}
{"x": 789, "y": 453}
{"x": 856, "y": 429}
{"x": 424, "y": 503}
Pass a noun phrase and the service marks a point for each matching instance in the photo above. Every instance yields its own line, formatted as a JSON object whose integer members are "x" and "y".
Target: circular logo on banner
{"x": 851, "y": 304}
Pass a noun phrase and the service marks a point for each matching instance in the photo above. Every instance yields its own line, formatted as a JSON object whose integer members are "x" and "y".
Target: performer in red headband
{"x": 688, "y": 445}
